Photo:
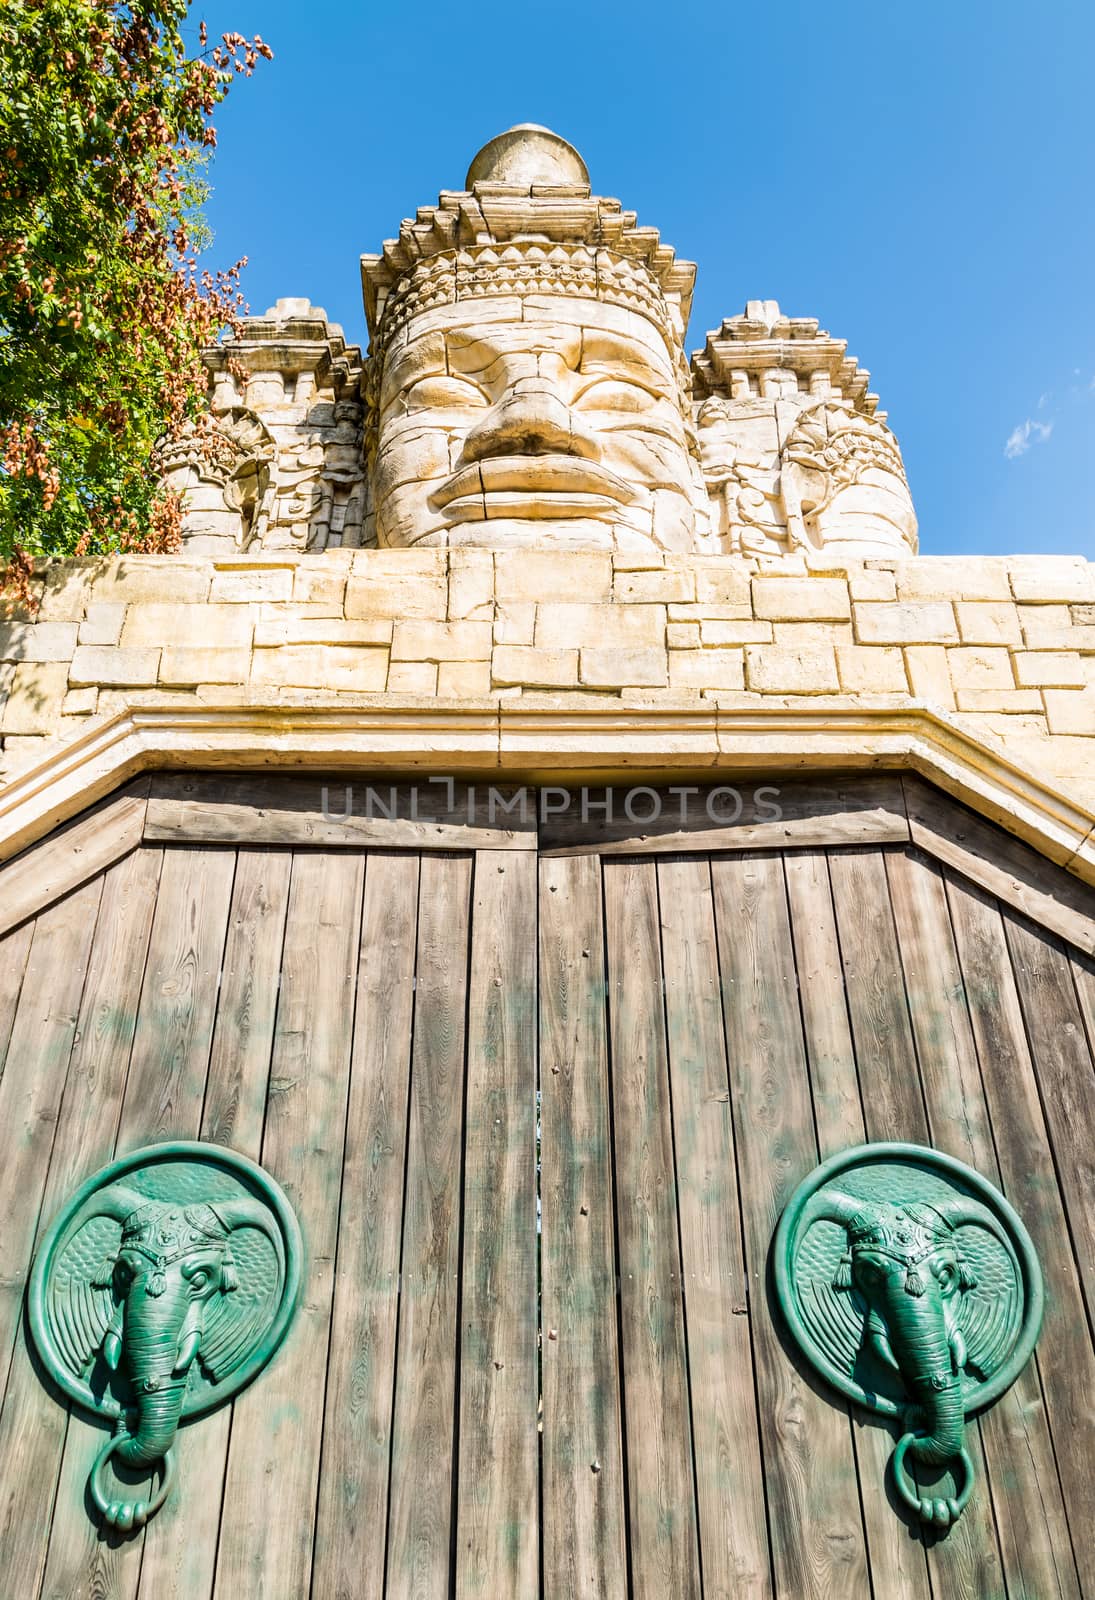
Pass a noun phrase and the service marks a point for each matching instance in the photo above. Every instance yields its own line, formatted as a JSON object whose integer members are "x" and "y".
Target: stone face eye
{"x": 611, "y": 395}
{"x": 442, "y": 392}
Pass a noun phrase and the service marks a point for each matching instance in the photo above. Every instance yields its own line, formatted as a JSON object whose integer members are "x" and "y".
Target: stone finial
{"x": 528, "y": 156}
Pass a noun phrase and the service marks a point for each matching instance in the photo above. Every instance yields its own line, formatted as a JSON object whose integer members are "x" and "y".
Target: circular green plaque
{"x": 190, "y": 1238}
{"x": 885, "y": 1243}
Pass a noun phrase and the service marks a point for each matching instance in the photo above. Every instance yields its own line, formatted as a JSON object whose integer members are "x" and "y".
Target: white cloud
{"x": 1027, "y": 433}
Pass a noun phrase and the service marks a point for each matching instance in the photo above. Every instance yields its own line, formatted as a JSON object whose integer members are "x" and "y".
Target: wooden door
{"x": 538, "y": 1115}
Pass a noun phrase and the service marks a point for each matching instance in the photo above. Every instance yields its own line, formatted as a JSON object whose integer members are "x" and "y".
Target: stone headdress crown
{"x": 526, "y": 224}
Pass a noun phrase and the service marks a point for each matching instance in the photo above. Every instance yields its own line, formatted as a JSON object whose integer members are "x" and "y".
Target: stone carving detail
{"x": 909, "y": 1282}
{"x": 526, "y": 385}
{"x": 167, "y": 1282}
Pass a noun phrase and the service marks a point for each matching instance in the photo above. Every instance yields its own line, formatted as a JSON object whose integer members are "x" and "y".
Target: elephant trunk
{"x": 921, "y": 1347}
{"x": 151, "y": 1346}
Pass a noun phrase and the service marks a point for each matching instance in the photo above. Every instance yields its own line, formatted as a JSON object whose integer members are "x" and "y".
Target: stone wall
{"x": 1004, "y": 647}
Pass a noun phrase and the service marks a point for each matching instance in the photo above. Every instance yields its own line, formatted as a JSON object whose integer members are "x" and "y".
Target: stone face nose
{"x": 531, "y": 420}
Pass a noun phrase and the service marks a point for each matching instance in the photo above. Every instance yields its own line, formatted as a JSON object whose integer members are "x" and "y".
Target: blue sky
{"x": 919, "y": 176}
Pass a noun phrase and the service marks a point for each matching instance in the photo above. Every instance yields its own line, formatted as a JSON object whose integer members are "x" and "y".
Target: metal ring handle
{"x": 126, "y": 1515}
{"x": 939, "y": 1512}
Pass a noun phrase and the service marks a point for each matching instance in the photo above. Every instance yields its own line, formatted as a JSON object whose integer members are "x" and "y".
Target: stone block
{"x": 613, "y": 668}
{"x": 471, "y": 586}
{"x": 322, "y": 667}
{"x": 80, "y": 703}
{"x": 723, "y": 579}
{"x": 801, "y": 599}
{"x": 515, "y": 622}
{"x": 167, "y": 578}
{"x": 35, "y": 696}
{"x": 1071, "y": 711}
{"x": 706, "y": 669}
{"x": 441, "y": 641}
{"x": 412, "y": 677}
{"x": 1049, "y": 669}
{"x": 637, "y": 560}
{"x": 466, "y": 680}
{"x": 293, "y": 629}
{"x": 541, "y": 669}
{"x": 914, "y": 622}
{"x": 718, "y": 633}
{"x": 114, "y": 666}
{"x": 251, "y": 584}
{"x": 65, "y": 589}
{"x": 1053, "y": 627}
{"x": 411, "y": 593}
{"x": 951, "y": 578}
{"x": 600, "y": 627}
{"x": 194, "y": 664}
{"x": 1048, "y": 580}
{"x": 547, "y": 575}
{"x": 808, "y": 635}
{"x": 221, "y": 627}
{"x": 103, "y": 622}
{"x": 682, "y": 635}
{"x": 37, "y": 641}
{"x": 675, "y": 584}
{"x": 988, "y": 622}
{"x": 863, "y": 584}
{"x": 929, "y": 679}
{"x": 988, "y": 668}
{"x": 709, "y": 611}
{"x": 321, "y": 580}
{"x": 771, "y": 670}
{"x": 871, "y": 669}
{"x": 1027, "y": 701}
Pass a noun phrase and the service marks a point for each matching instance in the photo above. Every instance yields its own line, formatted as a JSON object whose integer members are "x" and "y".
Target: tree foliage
{"x": 105, "y": 125}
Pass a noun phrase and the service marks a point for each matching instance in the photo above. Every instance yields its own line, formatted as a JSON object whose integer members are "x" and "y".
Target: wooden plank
{"x": 334, "y": 812}
{"x": 584, "y": 1516}
{"x": 1065, "y": 1359}
{"x": 181, "y": 1548}
{"x": 838, "y": 1114}
{"x": 1083, "y": 974}
{"x": 273, "y": 1461}
{"x": 14, "y": 949}
{"x": 889, "y": 1083}
{"x": 33, "y": 1082}
{"x": 1018, "y": 1451}
{"x": 750, "y": 815}
{"x": 658, "y": 1438}
{"x": 71, "y": 856}
{"x": 725, "y": 1428}
{"x": 814, "y": 1516}
{"x": 357, "y": 1428}
{"x": 1063, "y": 1068}
{"x": 36, "y": 1436}
{"x": 1012, "y": 871}
{"x": 179, "y": 998}
{"x": 497, "y": 1535}
{"x": 421, "y": 1494}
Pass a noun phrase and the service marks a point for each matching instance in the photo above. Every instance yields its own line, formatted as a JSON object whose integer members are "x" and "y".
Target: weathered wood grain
{"x": 266, "y": 1535}
{"x": 351, "y": 1531}
{"x": 420, "y": 1508}
{"x": 838, "y": 1115}
{"x": 73, "y": 855}
{"x": 1065, "y": 1360}
{"x": 584, "y": 1519}
{"x": 180, "y": 1548}
{"x": 1032, "y": 1530}
{"x": 497, "y": 1535}
{"x": 179, "y": 998}
{"x": 338, "y": 812}
{"x": 14, "y": 949}
{"x": 725, "y": 1429}
{"x": 1063, "y": 1068}
{"x": 749, "y": 815}
{"x": 814, "y": 1514}
{"x": 1002, "y": 864}
{"x": 663, "y": 1532}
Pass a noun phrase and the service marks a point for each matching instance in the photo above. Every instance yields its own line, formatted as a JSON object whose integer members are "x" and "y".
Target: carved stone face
{"x": 533, "y": 422}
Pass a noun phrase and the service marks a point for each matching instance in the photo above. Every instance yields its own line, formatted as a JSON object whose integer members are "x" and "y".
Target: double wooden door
{"x": 538, "y": 1112}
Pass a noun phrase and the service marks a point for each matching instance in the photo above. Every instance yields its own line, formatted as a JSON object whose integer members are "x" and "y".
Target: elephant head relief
{"x": 912, "y": 1285}
{"x": 153, "y": 1300}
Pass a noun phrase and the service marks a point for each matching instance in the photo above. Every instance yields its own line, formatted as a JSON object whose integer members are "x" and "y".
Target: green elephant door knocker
{"x": 912, "y": 1286}
{"x": 167, "y": 1282}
